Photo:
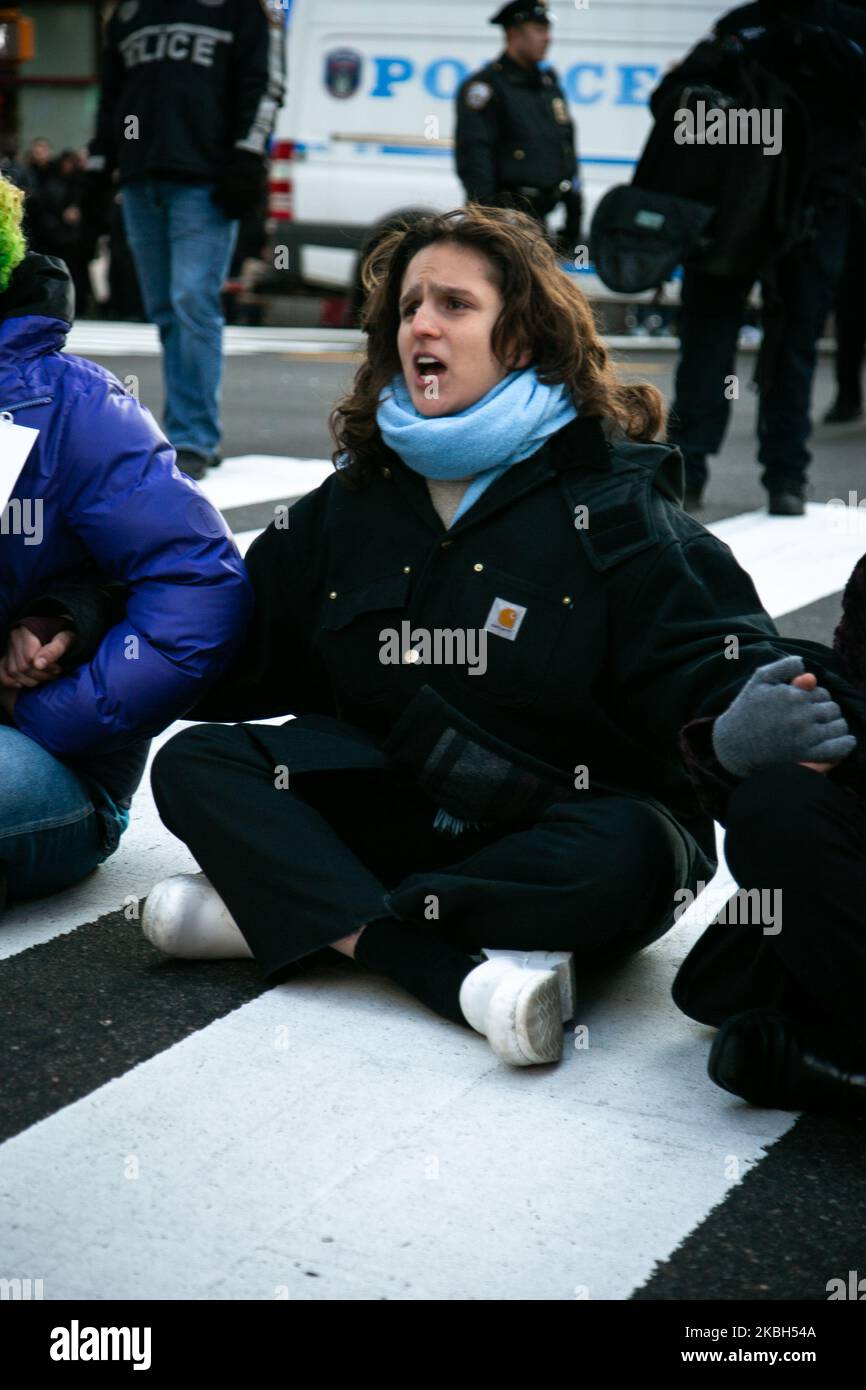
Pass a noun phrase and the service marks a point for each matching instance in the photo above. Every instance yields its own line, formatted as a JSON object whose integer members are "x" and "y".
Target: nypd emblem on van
{"x": 343, "y": 72}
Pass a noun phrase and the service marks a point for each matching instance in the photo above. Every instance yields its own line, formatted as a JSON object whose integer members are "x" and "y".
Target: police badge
{"x": 477, "y": 95}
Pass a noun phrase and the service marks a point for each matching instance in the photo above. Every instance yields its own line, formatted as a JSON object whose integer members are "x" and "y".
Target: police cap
{"x": 522, "y": 12}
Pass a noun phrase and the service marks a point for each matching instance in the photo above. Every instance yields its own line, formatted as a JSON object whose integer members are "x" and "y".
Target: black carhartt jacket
{"x": 621, "y": 608}
{"x": 513, "y": 130}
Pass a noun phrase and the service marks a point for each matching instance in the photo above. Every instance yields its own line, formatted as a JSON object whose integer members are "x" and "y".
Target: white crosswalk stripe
{"x": 107, "y": 339}
{"x": 376, "y": 1146}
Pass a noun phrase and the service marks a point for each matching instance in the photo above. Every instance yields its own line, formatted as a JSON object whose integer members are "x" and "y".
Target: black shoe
{"x": 768, "y": 1060}
{"x": 843, "y": 411}
{"x": 786, "y": 504}
{"x": 215, "y": 460}
{"x": 192, "y": 464}
{"x": 693, "y": 500}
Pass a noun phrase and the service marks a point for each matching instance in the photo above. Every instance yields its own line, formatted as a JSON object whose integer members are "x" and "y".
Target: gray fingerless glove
{"x": 772, "y": 721}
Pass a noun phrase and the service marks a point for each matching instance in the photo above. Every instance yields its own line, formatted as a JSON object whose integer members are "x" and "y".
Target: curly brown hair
{"x": 543, "y": 312}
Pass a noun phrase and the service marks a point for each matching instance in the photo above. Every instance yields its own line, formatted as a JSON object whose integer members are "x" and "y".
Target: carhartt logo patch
{"x": 505, "y": 618}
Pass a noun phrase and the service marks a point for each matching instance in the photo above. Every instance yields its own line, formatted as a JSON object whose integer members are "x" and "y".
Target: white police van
{"x": 368, "y": 123}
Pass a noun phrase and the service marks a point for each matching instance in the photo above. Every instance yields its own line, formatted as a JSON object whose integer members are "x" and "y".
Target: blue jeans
{"x": 55, "y": 827}
{"x": 183, "y": 244}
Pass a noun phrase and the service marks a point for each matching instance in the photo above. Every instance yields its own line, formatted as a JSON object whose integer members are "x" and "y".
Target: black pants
{"x": 795, "y": 311}
{"x": 790, "y": 829}
{"x": 303, "y": 866}
{"x": 851, "y": 313}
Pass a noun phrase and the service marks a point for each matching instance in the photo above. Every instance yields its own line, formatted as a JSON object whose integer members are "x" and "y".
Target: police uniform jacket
{"x": 185, "y": 84}
{"x": 514, "y": 130}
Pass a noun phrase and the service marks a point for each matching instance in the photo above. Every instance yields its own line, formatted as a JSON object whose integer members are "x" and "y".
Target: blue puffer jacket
{"x": 110, "y": 494}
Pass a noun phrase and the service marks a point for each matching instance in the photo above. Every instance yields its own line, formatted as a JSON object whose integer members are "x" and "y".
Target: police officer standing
{"x": 515, "y": 139}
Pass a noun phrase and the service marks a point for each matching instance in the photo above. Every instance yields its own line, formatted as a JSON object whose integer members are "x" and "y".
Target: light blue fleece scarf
{"x": 481, "y": 442}
{"x": 510, "y": 423}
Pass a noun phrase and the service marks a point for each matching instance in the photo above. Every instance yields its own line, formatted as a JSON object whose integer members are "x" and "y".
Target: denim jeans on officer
{"x": 55, "y": 827}
{"x": 712, "y": 311}
{"x": 183, "y": 244}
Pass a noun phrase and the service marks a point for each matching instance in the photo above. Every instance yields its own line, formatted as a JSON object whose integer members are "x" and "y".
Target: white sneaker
{"x": 185, "y": 916}
{"x": 560, "y": 961}
{"x": 517, "y": 1010}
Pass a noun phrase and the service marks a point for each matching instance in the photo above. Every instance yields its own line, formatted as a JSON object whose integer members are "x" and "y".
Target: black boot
{"x": 768, "y": 1060}
{"x": 786, "y": 503}
{"x": 843, "y": 411}
{"x": 192, "y": 464}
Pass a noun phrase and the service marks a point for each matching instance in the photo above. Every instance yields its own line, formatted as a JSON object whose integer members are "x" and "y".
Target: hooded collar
{"x": 36, "y": 313}
{"x": 40, "y": 286}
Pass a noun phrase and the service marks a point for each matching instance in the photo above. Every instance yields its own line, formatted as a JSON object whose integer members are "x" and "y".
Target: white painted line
{"x": 250, "y": 478}
{"x": 795, "y": 561}
{"x": 107, "y": 339}
{"x": 334, "y": 1128}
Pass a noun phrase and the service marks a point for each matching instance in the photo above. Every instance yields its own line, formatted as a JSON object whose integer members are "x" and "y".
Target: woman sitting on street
{"x": 491, "y": 624}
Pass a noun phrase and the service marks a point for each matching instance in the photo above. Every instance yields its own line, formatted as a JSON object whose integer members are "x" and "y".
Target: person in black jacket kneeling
{"x": 787, "y": 995}
{"x": 491, "y": 624}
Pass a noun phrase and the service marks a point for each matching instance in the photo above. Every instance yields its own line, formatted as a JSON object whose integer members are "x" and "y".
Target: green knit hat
{"x": 13, "y": 247}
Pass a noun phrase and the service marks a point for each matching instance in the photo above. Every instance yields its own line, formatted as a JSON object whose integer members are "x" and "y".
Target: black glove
{"x": 97, "y": 195}
{"x": 468, "y": 772}
{"x": 240, "y": 188}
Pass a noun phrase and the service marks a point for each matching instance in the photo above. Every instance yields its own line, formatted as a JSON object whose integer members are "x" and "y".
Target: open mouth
{"x": 426, "y": 365}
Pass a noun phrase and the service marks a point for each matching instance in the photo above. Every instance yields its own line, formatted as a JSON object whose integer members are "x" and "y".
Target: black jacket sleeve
{"x": 828, "y": 14}
{"x": 476, "y": 140}
{"x": 103, "y": 151}
{"x": 258, "y": 76}
{"x": 93, "y": 609}
{"x": 688, "y": 630}
{"x": 278, "y": 671}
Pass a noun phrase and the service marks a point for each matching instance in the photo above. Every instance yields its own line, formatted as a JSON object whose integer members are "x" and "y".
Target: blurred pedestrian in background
{"x": 185, "y": 114}
{"x": 825, "y": 75}
{"x": 515, "y": 140}
{"x": 33, "y": 173}
{"x": 60, "y": 229}
{"x": 10, "y": 166}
